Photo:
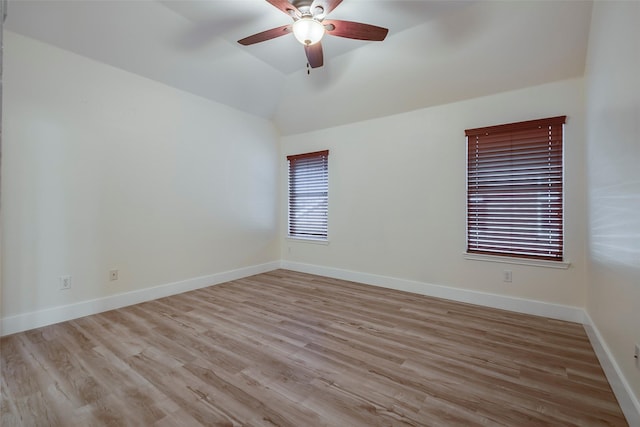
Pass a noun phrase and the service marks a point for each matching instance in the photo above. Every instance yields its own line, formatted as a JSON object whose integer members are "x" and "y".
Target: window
{"x": 515, "y": 189}
{"x": 308, "y": 195}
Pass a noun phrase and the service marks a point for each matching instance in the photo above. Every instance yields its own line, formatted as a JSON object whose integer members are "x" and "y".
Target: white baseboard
{"x": 36, "y": 319}
{"x": 520, "y": 305}
{"x": 628, "y": 402}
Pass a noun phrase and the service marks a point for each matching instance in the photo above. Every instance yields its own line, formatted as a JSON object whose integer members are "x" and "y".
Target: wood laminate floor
{"x": 292, "y": 349}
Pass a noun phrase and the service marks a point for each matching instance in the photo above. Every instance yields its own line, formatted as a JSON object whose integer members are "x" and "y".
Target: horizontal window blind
{"x": 515, "y": 189}
{"x": 308, "y": 195}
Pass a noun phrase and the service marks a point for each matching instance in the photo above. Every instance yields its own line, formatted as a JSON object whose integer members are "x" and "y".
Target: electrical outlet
{"x": 507, "y": 276}
{"x": 113, "y": 275}
{"x": 65, "y": 282}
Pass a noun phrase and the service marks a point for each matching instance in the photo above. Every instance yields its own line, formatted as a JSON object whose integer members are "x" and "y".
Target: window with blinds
{"x": 515, "y": 189}
{"x": 308, "y": 195}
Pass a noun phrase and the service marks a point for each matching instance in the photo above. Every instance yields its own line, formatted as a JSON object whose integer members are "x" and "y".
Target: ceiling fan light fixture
{"x": 309, "y": 27}
{"x": 308, "y": 31}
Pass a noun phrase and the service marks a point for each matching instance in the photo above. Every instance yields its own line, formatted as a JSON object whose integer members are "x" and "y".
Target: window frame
{"x": 480, "y": 248}
{"x": 315, "y": 227}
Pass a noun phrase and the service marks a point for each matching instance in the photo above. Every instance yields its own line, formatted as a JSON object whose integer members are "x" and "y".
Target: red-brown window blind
{"x": 515, "y": 189}
{"x": 308, "y": 195}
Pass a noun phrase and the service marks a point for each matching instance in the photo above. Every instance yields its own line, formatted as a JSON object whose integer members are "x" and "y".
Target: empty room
{"x": 320, "y": 213}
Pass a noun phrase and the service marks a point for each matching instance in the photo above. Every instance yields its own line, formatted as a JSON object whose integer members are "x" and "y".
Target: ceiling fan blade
{"x": 327, "y": 5}
{"x": 286, "y": 7}
{"x": 266, "y": 35}
{"x": 355, "y": 30}
{"x": 314, "y": 55}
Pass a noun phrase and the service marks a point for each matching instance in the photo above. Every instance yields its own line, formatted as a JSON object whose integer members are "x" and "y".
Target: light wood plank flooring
{"x": 292, "y": 349}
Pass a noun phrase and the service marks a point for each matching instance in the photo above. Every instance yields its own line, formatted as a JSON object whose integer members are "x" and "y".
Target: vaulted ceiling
{"x": 436, "y": 51}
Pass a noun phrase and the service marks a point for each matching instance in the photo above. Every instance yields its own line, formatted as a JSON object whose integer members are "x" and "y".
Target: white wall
{"x": 104, "y": 169}
{"x": 397, "y": 195}
{"x": 613, "y": 169}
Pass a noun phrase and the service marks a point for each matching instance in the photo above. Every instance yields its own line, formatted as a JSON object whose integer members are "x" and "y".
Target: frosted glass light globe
{"x": 308, "y": 31}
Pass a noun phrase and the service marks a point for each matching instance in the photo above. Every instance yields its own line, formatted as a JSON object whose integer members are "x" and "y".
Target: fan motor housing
{"x": 301, "y": 3}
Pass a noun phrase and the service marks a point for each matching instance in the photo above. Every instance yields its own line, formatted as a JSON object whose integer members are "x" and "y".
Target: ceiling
{"x": 436, "y": 51}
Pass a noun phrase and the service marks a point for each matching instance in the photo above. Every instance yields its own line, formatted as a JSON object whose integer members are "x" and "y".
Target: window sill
{"x": 308, "y": 240}
{"x": 521, "y": 261}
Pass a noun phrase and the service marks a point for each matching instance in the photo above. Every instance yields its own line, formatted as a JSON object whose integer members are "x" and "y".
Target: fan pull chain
{"x": 308, "y": 69}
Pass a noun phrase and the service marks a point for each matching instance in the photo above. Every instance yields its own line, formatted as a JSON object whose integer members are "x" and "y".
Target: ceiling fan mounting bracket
{"x": 301, "y": 3}
{"x": 305, "y": 8}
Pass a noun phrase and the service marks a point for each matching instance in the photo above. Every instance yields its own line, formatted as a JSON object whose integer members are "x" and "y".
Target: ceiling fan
{"x": 309, "y": 26}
